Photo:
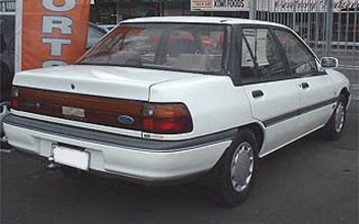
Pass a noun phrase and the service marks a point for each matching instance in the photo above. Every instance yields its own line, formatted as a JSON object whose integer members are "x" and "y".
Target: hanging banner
{"x": 50, "y": 32}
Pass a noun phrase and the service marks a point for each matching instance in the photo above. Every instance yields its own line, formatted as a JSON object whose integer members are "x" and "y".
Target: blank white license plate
{"x": 71, "y": 157}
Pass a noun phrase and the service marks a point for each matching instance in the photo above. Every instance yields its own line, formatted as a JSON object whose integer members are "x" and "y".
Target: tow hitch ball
{"x": 52, "y": 165}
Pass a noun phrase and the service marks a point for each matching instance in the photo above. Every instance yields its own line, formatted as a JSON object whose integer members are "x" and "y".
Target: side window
{"x": 261, "y": 60}
{"x": 300, "y": 60}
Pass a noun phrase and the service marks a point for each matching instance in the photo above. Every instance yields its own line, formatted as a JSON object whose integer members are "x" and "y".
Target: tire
{"x": 235, "y": 173}
{"x": 6, "y": 79}
{"x": 334, "y": 128}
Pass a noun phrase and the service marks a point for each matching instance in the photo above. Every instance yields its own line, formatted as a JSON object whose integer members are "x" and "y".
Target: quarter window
{"x": 301, "y": 61}
{"x": 261, "y": 60}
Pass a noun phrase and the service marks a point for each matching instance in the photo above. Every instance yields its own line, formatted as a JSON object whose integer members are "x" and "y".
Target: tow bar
{"x": 52, "y": 165}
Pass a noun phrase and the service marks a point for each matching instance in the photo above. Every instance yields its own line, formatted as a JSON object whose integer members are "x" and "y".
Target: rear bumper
{"x": 141, "y": 159}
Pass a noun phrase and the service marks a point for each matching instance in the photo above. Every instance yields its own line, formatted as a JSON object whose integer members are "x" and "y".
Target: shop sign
{"x": 226, "y": 5}
{"x": 219, "y": 5}
{"x": 273, "y": 5}
{"x": 312, "y": 5}
{"x": 53, "y": 32}
{"x": 7, "y": 6}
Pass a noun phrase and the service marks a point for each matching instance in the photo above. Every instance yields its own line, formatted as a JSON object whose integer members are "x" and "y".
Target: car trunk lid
{"x": 104, "y": 81}
{"x": 110, "y": 96}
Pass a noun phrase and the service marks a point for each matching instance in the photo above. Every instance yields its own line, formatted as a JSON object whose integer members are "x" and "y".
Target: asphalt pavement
{"x": 312, "y": 181}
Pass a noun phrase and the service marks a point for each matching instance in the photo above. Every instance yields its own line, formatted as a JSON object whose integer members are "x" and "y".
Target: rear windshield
{"x": 184, "y": 47}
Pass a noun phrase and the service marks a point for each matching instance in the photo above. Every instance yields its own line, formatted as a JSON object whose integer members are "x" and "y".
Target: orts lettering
{"x": 54, "y": 32}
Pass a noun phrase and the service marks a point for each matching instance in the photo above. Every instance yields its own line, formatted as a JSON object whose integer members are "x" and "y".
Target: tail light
{"x": 15, "y": 93}
{"x": 166, "y": 118}
{"x": 157, "y": 118}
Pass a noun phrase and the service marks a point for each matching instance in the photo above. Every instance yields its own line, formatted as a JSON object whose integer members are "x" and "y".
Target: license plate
{"x": 71, "y": 157}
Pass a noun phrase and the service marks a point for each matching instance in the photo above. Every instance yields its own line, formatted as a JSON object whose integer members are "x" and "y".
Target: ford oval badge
{"x": 125, "y": 119}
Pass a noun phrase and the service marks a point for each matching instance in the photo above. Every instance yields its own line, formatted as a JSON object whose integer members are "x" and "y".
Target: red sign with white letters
{"x": 54, "y": 32}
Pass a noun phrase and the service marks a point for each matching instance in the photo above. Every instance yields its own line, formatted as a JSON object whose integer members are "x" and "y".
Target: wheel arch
{"x": 345, "y": 93}
{"x": 258, "y": 131}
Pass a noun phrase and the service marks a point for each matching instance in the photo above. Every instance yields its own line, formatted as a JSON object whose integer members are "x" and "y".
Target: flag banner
{"x": 50, "y": 32}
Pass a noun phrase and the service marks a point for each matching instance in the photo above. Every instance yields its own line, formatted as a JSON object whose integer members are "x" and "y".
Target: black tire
{"x": 73, "y": 173}
{"x": 227, "y": 190}
{"x": 6, "y": 79}
{"x": 334, "y": 128}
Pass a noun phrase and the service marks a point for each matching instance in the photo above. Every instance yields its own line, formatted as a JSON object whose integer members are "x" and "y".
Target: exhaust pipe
{"x": 4, "y": 146}
{"x": 3, "y": 139}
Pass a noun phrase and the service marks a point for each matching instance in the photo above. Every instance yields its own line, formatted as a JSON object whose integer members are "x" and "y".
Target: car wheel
{"x": 235, "y": 173}
{"x": 334, "y": 128}
{"x": 73, "y": 173}
{"x": 6, "y": 79}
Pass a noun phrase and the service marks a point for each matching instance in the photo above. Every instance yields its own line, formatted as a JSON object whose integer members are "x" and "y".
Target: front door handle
{"x": 304, "y": 85}
{"x": 257, "y": 93}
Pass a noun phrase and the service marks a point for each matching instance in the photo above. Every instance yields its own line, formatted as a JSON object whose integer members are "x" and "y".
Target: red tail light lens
{"x": 157, "y": 118}
{"x": 15, "y": 93}
{"x": 167, "y": 119}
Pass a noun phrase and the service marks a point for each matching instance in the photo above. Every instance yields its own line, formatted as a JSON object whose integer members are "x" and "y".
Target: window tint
{"x": 300, "y": 60}
{"x": 261, "y": 60}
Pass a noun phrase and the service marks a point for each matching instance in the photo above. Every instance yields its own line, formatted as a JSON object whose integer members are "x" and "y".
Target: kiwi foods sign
{"x": 273, "y": 5}
{"x": 225, "y": 5}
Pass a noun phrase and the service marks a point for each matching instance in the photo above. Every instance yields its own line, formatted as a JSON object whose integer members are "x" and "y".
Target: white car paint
{"x": 214, "y": 102}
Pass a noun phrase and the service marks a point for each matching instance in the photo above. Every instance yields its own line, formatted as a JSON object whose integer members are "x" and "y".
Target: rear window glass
{"x": 184, "y": 47}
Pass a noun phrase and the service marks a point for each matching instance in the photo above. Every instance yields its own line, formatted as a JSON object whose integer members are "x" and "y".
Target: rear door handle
{"x": 304, "y": 85}
{"x": 257, "y": 93}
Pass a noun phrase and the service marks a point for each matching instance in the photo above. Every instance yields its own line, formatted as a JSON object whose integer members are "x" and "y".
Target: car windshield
{"x": 184, "y": 47}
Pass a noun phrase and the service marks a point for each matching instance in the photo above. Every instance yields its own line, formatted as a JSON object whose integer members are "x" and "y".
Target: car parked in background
{"x": 166, "y": 99}
{"x": 107, "y": 27}
{"x": 95, "y": 33}
{"x": 7, "y": 51}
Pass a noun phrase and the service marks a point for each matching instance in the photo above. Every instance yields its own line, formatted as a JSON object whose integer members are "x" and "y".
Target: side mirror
{"x": 329, "y": 62}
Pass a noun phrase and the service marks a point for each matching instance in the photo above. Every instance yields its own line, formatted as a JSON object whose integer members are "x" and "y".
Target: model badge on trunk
{"x": 125, "y": 119}
{"x": 73, "y": 111}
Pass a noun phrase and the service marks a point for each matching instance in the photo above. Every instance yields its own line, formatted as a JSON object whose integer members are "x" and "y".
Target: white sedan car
{"x": 170, "y": 98}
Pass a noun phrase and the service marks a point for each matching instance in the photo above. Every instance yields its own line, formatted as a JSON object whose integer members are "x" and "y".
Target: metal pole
{"x": 329, "y": 29}
{"x": 253, "y": 9}
{"x": 355, "y": 49}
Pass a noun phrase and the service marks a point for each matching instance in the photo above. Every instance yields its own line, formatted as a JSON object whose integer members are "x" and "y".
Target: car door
{"x": 271, "y": 91}
{"x": 317, "y": 96}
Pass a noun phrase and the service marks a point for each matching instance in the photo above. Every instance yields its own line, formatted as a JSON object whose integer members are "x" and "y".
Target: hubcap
{"x": 339, "y": 117}
{"x": 242, "y": 166}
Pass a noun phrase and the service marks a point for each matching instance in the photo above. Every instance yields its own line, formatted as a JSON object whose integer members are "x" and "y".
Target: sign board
{"x": 312, "y": 5}
{"x": 219, "y": 5}
{"x": 273, "y": 5}
{"x": 226, "y": 5}
{"x": 7, "y": 7}
{"x": 50, "y": 32}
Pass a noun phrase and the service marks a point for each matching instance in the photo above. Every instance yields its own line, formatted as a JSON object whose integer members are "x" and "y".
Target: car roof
{"x": 200, "y": 19}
